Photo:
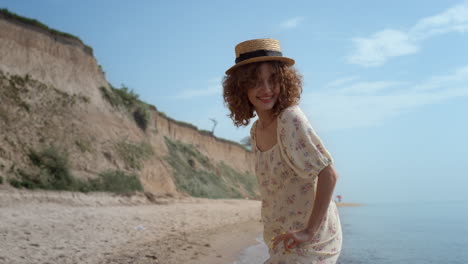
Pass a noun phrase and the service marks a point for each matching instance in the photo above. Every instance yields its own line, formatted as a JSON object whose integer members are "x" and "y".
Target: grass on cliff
{"x": 134, "y": 154}
{"x": 195, "y": 175}
{"x": 33, "y": 22}
{"x": 53, "y": 173}
{"x": 127, "y": 99}
{"x": 115, "y": 181}
{"x": 13, "y": 88}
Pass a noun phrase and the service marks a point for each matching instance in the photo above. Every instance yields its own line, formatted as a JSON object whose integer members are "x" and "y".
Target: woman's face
{"x": 265, "y": 93}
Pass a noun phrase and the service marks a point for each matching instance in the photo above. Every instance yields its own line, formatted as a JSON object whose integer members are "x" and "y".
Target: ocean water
{"x": 416, "y": 233}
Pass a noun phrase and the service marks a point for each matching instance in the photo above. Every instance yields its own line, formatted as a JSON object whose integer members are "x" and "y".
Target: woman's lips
{"x": 266, "y": 99}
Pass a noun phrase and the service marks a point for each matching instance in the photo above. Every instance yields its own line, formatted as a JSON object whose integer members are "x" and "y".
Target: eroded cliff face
{"x": 50, "y": 94}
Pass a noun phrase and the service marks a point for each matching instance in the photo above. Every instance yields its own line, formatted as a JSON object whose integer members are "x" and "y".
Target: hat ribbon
{"x": 257, "y": 53}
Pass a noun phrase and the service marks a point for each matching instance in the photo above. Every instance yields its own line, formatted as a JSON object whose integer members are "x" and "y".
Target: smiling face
{"x": 265, "y": 93}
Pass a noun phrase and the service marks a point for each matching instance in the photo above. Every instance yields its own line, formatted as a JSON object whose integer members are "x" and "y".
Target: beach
{"x": 68, "y": 227}
{"x": 65, "y": 227}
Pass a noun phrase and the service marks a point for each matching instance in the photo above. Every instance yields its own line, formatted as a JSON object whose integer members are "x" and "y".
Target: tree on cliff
{"x": 214, "y": 125}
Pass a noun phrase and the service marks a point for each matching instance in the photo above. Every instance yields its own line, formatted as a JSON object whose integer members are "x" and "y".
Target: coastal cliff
{"x": 54, "y": 96}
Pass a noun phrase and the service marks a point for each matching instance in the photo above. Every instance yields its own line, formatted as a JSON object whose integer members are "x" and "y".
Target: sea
{"x": 394, "y": 233}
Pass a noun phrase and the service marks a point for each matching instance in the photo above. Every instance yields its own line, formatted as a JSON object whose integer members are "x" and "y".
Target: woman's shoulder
{"x": 290, "y": 113}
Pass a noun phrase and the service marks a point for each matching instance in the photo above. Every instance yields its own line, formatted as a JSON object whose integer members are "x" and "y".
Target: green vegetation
{"x": 33, "y": 22}
{"x": 1, "y": 180}
{"x": 134, "y": 154}
{"x": 116, "y": 181}
{"x": 127, "y": 99}
{"x": 194, "y": 174}
{"x": 247, "y": 180}
{"x": 14, "y": 89}
{"x": 54, "y": 174}
{"x": 120, "y": 97}
{"x": 142, "y": 116}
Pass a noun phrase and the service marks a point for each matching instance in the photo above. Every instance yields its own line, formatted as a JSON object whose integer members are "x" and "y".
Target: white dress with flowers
{"x": 287, "y": 178}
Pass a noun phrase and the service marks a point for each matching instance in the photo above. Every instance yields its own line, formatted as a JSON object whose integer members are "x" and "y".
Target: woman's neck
{"x": 266, "y": 118}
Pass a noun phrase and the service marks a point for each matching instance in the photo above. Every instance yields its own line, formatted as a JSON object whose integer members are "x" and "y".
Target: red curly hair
{"x": 241, "y": 79}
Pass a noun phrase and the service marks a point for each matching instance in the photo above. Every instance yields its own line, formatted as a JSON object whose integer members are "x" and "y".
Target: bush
{"x": 116, "y": 182}
{"x": 194, "y": 174}
{"x": 127, "y": 96}
{"x": 54, "y": 173}
{"x": 142, "y": 116}
{"x": 1, "y": 180}
{"x": 14, "y": 182}
{"x": 128, "y": 99}
{"x": 120, "y": 97}
{"x": 134, "y": 154}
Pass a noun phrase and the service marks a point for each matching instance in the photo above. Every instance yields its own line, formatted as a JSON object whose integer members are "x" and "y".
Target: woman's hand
{"x": 292, "y": 239}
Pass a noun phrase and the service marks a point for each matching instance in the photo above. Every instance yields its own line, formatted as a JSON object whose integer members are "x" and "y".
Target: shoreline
{"x": 64, "y": 227}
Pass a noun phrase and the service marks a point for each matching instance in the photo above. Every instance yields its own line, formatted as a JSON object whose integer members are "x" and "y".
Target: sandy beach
{"x": 67, "y": 227}
{"x": 64, "y": 227}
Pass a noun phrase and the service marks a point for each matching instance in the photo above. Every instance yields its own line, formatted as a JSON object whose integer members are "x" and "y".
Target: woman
{"x": 294, "y": 170}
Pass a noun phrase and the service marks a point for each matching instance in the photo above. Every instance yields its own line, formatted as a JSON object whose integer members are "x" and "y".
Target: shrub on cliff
{"x": 195, "y": 175}
{"x": 142, "y": 116}
{"x": 117, "y": 97}
{"x": 133, "y": 154}
{"x": 54, "y": 174}
{"x": 127, "y": 99}
{"x": 115, "y": 181}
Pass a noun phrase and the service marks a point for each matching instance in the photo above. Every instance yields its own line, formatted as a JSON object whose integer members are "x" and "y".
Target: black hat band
{"x": 258, "y": 53}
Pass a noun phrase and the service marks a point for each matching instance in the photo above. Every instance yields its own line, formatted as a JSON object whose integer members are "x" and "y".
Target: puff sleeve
{"x": 300, "y": 146}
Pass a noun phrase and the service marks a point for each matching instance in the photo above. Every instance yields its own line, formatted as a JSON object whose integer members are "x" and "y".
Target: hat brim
{"x": 286, "y": 60}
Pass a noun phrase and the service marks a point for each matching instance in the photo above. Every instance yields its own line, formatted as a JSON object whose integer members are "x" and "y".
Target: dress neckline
{"x": 274, "y": 146}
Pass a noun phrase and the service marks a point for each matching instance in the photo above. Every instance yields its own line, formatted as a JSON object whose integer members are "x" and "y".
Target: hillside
{"x": 63, "y": 126}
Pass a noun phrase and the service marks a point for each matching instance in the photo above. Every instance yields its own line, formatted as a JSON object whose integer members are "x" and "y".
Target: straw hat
{"x": 259, "y": 50}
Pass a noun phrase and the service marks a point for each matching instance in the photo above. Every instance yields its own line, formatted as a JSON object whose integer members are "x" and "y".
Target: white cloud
{"x": 376, "y": 49}
{"x": 454, "y": 19}
{"x": 364, "y": 104}
{"x": 291, "y": 23}
{"x": 381, "y": 46}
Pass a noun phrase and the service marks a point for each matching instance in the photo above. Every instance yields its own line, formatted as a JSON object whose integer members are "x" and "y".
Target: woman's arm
{"x": 327, "y": 179}
{"x": 326, "y": 182}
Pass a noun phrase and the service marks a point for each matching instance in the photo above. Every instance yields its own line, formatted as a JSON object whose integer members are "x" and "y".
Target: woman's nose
{"x": 266, "y": 86}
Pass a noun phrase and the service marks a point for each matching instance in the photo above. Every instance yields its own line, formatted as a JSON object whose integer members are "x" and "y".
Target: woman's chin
{"x": 264, "y": 107}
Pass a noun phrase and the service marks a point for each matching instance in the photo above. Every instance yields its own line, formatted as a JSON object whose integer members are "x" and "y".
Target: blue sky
{"x": 385, "y": 82}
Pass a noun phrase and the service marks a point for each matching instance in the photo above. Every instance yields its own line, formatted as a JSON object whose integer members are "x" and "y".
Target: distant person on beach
{"x": 293, "y": 168}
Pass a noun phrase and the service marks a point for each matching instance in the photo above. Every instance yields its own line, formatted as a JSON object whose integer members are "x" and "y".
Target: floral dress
{"x": 287, "y": 178}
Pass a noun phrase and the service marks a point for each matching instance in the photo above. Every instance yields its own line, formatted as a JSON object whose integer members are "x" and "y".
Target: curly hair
{"x": 245, "y": 77}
